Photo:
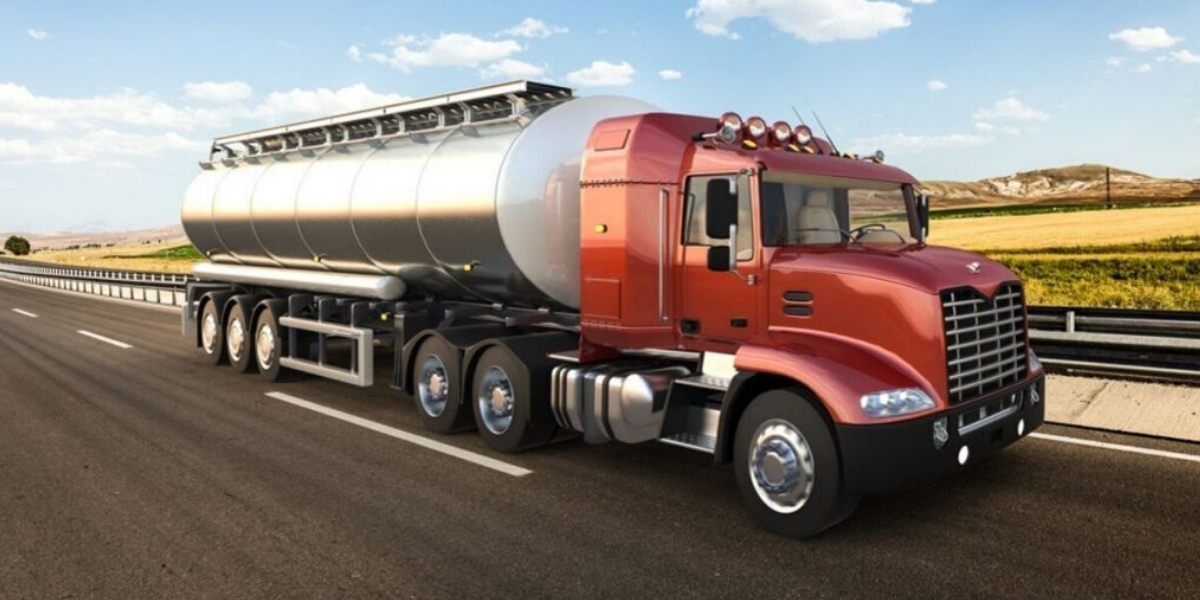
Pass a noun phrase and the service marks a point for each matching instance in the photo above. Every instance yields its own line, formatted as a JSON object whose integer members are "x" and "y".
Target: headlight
{"x": 782, "y": 132}
{"x": 894, "y": 403}
{"x": 756, "y": 127}
{"x": 803, "y": 135}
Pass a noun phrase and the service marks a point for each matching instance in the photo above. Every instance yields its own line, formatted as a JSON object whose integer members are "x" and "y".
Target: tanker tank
{"x": 473, "y": 196}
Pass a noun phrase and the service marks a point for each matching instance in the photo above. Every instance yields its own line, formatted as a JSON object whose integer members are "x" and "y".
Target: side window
{"x": 694, "y": 217}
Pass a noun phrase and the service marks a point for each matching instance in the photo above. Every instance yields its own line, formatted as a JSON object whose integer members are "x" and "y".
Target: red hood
{"x": 925, "y": 268}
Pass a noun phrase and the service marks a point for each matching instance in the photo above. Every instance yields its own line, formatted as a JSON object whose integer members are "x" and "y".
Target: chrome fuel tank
{"x": 474, "y": 210}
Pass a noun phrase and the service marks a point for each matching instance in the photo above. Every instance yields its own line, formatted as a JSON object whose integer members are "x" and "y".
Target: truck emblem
{"x": 974, "y": 267}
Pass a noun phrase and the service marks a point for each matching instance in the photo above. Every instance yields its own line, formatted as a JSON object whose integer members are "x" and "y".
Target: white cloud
{"x": 922, "y": 1}
{"x": 936, "y": 85}
{"x": 96, "y": 145}
{"x": 670, "y": 74}
{"x": 1114, "y": 61}
{"x": 219, "y": 92}
{"x": 510, "y": 68}
{"x": 601, "y": 73}
{"x": 446, "y": 50}
{"x": 125, "y": 107}
{"x": 299, "y": 103}
{"x": 1142, "y": 68}
{"x": 530, "y": 27}
{"x": 38, "y": 34}
{"x": 1145, "y": 39}
{"x": 920, "y": 143}
{"x": 1186, "y": 57}
{"x": 1011, "y": 109}
{"x": 813, "y": 21}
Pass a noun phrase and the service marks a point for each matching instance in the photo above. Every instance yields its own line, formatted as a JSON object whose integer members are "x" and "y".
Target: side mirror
{"x": 720, "y": 208}
{"x": 923, "y": 216}
{"x": 718, "y": 258}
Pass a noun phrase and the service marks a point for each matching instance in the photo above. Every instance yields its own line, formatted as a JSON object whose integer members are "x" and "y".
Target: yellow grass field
{"x": 105, "y": 258}
{"x": 1050, "y": 230}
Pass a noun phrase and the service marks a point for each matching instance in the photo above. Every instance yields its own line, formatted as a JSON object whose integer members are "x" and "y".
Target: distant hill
{"x": 94, "y": 234}
{"x": 1064, "y": 185}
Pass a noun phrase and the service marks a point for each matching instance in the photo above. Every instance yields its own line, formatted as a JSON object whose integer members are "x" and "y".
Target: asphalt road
{"x": 142, "y": 472}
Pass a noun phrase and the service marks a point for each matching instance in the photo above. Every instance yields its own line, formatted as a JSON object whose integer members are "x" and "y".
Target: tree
{"x": 17, "y": 245}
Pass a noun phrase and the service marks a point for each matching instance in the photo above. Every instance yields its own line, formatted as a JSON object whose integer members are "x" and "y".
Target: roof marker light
{"x": 782, "y": 133}
{"x": 803, "y": 135}
{"x": 729, "y": 126}
{"x": 756, "y": 128}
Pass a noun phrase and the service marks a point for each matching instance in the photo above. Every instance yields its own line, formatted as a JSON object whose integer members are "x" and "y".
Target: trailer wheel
{"x": 504, "y": 404}
{"x": 787, "y": 466}
{"x": 212, "y": 333}
{"x": 239, "y": 343}
{"x": 269, "y": 344}
{"x": 438, "y": 395}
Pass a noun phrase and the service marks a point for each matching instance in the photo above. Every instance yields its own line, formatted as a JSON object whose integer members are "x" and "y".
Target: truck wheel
{"x": 787, "y": 466}
{"x": 269, "y": 345}
{"x": 438, "y": 394}
{"x": 212, "y": 333}
{"x": 238, "y": 341}
{"x": 504, "y": 404}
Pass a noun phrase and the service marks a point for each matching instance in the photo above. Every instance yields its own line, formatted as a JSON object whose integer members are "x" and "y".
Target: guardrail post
{"x": 1070, "y": 321}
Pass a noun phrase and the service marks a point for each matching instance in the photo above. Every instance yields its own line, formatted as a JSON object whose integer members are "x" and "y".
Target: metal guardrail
{"x": 1154, "y": 344}
{"x": 154, "y": 288}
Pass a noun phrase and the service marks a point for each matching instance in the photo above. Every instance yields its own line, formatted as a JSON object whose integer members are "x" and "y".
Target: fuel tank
{"x": 482, "y": 210}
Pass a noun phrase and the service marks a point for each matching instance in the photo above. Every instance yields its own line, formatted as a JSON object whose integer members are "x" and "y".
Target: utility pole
{"x": 1108, "y": 203}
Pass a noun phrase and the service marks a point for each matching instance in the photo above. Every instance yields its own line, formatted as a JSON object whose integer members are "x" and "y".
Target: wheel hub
{"x": 781, "y": 466}
{"x": 237, "y": 339}
{"x": 496, "y": 401}
{"x": 208, "y": 333}
{"x": 434, "y": 388}
{"x": 266, "y": 347}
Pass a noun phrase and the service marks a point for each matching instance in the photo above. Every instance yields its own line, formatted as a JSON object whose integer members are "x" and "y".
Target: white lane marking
{"x": 25, "y": 312}
{"x": 101, "y": 338}
{"x": 1118, "y": 447}
{"x": 436, "y": 446}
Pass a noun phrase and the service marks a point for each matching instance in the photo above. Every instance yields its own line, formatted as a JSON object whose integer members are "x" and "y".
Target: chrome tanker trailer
{"x": 546, "y": 266}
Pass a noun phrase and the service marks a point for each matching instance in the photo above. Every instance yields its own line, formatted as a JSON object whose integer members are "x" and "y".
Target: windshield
{"x": 800, "y": 209}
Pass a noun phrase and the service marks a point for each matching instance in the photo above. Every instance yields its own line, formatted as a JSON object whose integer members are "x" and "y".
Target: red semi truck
{"x": 543, "y": 266}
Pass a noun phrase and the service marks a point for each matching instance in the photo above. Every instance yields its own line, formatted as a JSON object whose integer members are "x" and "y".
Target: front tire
{"x": 787, "y": 466}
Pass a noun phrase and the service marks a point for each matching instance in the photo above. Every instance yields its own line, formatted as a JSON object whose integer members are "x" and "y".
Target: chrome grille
{"x": 985, "y": 340}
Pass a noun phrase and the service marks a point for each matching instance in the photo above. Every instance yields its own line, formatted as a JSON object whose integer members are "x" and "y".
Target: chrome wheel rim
{"x": 781, "y": 466}
{"x": 434, "y": 389}
{"x": 496, "y": 401}
{"x": 208, "y": 333}
{"x": 237, "y": 339}
{"x": 265, "y": 346}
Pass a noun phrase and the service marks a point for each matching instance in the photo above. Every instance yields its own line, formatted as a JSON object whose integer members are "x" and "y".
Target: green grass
{"x": 1163, "y": 274}
{"x": 1017, "y": 210}
{"x": 184, "y": 252}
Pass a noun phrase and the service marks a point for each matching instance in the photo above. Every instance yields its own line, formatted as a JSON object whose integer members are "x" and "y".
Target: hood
{"x": 918, "y": 266}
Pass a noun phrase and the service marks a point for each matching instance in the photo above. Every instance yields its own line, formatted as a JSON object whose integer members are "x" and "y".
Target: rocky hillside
{"x": 1064, "y": 185}
{"x": 89, "y": 236}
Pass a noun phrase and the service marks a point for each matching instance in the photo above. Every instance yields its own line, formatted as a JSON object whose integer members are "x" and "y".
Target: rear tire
{"x": 269, "y": 345}
{"x": 505, "y": 410}
{"x": 239, "y": 343}
{"x": 212, "y": 333}
{"x": 438, "y": 387}
{"x": 787, "y": 466}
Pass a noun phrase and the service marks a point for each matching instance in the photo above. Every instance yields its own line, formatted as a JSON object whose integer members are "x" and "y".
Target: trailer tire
{"x": 212, "y": 332}
{"x": 438, "y": 387}
{"x": 787, "y": 466}
{"x": 503, "y": 403}
{"x": 269, "y": 344}
{"x": 239, "y": 341}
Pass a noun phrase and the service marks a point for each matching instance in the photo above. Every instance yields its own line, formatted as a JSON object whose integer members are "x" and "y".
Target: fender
{"x": 834, "y": 370}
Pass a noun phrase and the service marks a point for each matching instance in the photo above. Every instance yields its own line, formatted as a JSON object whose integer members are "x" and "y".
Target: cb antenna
{"x": 826, "y": 134}
{"x": 799, "y": 117}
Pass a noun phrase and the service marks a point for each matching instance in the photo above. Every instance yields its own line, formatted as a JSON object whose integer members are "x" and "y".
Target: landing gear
{"x": 787, "y": 466}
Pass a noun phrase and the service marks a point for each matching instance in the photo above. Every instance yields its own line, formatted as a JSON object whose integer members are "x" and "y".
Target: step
{"x": 705, "y": 382}
{"x": 692, "y": 441}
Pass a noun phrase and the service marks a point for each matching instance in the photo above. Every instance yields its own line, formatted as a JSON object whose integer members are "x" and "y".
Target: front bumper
{"x": 881, "y": 458}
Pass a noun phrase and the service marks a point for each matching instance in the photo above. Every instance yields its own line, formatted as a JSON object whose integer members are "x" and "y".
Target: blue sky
{"x": 105, "y": 108}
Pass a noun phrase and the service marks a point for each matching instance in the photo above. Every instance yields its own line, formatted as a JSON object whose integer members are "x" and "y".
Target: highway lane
{"x": 144, "y": 472}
